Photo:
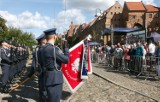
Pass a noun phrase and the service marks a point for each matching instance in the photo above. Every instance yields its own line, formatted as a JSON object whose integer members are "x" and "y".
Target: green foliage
{"x": 16, "y": 35}
{"x": 72, "y": 40}
{"x": 58, "y": 42}
{"x": 20, "y": 37}
{"x": 2, "y": 26}
{"x": 94, "y": 35}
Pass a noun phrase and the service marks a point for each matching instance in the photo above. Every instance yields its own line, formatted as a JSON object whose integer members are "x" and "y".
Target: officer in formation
{"x": 13, "y": 60}
{"x": 52, "y": 59}
{"x": 37, "y": 67}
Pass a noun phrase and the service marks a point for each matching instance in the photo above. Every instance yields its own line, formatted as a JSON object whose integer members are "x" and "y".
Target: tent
{"x": 93, "y": 43}
{"x": 154, "y": 36}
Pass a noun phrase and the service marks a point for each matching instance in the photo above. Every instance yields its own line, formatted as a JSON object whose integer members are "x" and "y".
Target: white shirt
{"x": 151, "y": 48}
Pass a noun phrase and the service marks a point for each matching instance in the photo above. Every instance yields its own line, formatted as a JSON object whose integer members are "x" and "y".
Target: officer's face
{"x": 159, "y": 43}
{"x": 5, "y": 44}
{"x": 55, "y": 37}
{"x": 44, "y": 41}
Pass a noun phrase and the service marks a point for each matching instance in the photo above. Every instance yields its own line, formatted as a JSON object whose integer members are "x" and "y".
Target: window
{"x": 150, "y": 15}
{"x": 149, "y": 23}
{"x": 156, "y": 15}
{"x": 142, "y": 16}
{"x": 111, "y": 13}
{"x": 115, "y": 7}
{"x": 157, "y": 23}
{"x": 134, "y": 17}
{"x": 119, "y": 7}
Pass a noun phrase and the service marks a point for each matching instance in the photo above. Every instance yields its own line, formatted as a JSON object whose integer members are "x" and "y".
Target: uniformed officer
{"x": 5, "y": 65}
{"x": 53, "y": 58}
{"x": 37, "y": 66}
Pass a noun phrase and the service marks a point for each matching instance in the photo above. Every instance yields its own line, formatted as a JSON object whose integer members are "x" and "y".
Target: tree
{"x": 72, "y": 40}
{"x": 15, "y": 35}
{"x": 3, "y": 26}
{"x": 20, "y": 37}
{"x": 94, "y": 35}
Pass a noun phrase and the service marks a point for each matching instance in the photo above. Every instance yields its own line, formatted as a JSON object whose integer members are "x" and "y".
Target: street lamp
{"x": 100, "y": 12}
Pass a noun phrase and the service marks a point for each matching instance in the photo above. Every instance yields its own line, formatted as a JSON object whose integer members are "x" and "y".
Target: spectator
{"x": 138, "y": 58}
{"x": 112, "y": 54}
{"x": 126, "y": 56}
{"x": 139, "y": 50}
{"x": 151, "y": 48}
{"x": 157, "y": 54}
{"x": 118, "y": 53}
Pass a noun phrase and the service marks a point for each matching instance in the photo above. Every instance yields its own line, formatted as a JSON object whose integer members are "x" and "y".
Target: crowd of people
{"x": 128, "y": 57}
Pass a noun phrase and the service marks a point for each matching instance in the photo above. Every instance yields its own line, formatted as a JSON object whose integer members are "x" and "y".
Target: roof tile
{"x": 135, "y": 6}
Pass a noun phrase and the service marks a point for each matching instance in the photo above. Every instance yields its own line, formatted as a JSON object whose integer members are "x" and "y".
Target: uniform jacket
{"x": 53, "y": 58}
{"x": 5, "y": 57}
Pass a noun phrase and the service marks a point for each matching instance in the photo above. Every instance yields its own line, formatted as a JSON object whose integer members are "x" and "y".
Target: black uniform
{"x": 53, "y": 58}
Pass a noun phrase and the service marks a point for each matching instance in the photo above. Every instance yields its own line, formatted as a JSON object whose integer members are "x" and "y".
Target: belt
{"x": 51, "y": 69}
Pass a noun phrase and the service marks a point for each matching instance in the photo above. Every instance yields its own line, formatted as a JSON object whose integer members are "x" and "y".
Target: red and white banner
{"x": 89, "y": 61}
{"x": 72, "y": 70}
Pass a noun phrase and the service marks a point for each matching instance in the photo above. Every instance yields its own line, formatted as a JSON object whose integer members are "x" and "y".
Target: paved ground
{"x": 103, "y": 86}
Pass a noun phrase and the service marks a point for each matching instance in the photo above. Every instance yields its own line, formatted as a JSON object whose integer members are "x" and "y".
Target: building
{"x": 99, "y": 23}
{"x": 152, "y": 19}
{"x": 132, "y": 15}
{"x": 136, "y": 14}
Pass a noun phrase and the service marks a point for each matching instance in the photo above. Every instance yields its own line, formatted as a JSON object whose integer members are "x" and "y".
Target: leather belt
{"x": 51, "y": 69}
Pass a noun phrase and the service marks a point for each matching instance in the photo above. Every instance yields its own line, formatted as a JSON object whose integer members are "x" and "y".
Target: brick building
{"x": 136, "y": 14}
{"x": 132, "y": 15}
{"x": 99, "y": 23}
{"x": 152, "y": 19}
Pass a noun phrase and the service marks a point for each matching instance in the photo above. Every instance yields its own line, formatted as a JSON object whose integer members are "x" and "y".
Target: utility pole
{"x": 112, "y": 34}
{"x": 146, "y": 30}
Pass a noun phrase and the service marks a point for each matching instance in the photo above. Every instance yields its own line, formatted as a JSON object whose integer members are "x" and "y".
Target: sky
{"x": 38, "y": 15}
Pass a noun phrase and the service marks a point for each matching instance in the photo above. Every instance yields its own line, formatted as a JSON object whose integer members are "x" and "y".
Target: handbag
{"x": 127, "y": 57}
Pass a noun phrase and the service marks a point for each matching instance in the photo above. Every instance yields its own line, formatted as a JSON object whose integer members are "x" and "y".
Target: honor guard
{"x": 5, "y": 65}
{"x": 53, "y": 58}
{"x": 37, "y": 66}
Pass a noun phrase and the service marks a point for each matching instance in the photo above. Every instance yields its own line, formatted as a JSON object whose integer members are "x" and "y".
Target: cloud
{"x": 91, "y": 5}
{"x": 26, "y": 20}
{"x": 29, "y": 21}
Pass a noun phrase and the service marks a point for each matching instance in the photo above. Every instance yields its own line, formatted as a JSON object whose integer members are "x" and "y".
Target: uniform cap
{"x": 41, "y": 37}
{"x": 4, "y": 40}
{"x": 51, "y": 31}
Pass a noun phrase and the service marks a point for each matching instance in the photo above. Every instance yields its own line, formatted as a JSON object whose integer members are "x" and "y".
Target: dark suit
{"x": 53, "y": 58}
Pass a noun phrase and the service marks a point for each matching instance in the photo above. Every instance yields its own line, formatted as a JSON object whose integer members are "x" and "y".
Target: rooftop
{"x": 135, "y": 6}
{"x": 151, "y": 8}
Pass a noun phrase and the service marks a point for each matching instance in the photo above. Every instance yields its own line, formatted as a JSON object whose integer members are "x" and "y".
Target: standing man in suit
{"x": 53, "y": 59}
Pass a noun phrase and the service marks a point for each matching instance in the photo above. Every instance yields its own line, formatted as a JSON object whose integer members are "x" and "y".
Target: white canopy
{"x": 155, "y": 36}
